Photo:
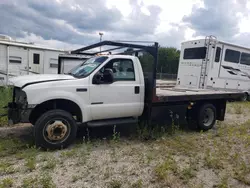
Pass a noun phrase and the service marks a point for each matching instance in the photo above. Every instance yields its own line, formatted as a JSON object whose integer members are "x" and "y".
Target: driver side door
{"x": 117, "y": 99}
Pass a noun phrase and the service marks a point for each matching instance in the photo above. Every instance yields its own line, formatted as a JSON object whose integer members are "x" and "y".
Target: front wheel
{"x": 55, "y": 129}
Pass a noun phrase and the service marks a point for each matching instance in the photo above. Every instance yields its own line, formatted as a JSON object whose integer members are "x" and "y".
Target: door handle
{"x": 137, "y": 89}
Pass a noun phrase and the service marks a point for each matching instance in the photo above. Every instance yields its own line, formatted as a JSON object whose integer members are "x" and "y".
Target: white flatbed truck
{"x": 107, "y": 90}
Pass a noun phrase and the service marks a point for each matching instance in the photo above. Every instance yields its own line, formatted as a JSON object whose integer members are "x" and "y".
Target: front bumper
{"x": 17, "y": 114}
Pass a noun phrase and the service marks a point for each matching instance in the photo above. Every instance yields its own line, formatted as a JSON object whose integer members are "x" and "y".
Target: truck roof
{"x": 119, "y": 56}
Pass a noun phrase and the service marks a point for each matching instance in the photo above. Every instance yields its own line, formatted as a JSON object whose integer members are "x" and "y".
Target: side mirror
{"x": 97, "y": 79}
{"x": 108, "y": 76}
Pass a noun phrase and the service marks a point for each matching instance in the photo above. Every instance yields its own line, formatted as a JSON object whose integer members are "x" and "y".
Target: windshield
{"x": 87, "y": 67}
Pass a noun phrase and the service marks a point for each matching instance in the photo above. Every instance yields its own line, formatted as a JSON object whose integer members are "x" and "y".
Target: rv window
{"x": 53, "y": 65}
{"x": 217, "y": 55}
{"x": 245, "y": 59}
{"x": 195, "y": 53}
{"x": 232, "y": 56}
{"x": 13, "y": 59}
{"x": 36, "y": 58}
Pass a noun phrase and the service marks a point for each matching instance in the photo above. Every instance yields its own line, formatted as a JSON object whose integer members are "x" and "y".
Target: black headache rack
{"x": 123, "y": 48}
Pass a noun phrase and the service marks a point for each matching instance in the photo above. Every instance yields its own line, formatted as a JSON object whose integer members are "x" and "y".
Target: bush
{"x": 5, "y": 97}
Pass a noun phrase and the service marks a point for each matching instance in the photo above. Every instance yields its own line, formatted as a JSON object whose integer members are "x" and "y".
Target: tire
{"x": 245, "y": 97}
{"x": 206, "y": 117}
{"x": 55, "y": 129}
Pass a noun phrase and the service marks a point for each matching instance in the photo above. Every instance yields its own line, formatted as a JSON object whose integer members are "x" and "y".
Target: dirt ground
{"x": 113, "y": 158}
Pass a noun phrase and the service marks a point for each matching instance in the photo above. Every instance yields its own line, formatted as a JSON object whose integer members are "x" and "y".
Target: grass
{"x": 6, "y": 96}
{"x": 50, "y": 164}
{"x": 115, "y": 184}
{"x": 6, "y": 168}
{"x": 187, "y": 173}
{"x": 168, "y": 166}
{"x": 44, "y": 180}
{"x": 137, "y": 184}
{"x": 30, "y": 182}
{"x": 155, "y": 157}
{"x": 15, "y": 146}
{"x": 30, "y": 163}
{"x": 212, "y": 160}
{"x": 7, "y": 182}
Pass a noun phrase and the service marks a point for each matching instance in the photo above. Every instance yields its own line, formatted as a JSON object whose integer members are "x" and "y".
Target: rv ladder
{"x": 209, "y": 40}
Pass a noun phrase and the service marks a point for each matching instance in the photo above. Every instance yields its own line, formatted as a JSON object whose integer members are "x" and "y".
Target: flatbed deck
{"x": 183, "y": 94}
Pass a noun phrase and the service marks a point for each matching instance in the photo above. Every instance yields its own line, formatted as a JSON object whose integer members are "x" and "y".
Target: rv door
{"x": 36, "y": 62}
{"x": 213, "y": 77}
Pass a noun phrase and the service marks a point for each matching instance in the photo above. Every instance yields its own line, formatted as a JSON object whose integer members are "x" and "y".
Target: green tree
{"x": 168, "y": 60}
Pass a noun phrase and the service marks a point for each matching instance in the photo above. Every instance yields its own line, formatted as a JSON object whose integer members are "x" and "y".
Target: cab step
{"x": 99, "y": 123}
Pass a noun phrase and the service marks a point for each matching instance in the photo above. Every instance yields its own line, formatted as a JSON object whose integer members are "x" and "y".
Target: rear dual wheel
{"x": 203, "y": 118}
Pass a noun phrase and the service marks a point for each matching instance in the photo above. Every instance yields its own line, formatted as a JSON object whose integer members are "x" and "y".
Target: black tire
{"x": 45, "y": 133}
{"x": 206, "y": 117}
{"x": 245, "y": 97}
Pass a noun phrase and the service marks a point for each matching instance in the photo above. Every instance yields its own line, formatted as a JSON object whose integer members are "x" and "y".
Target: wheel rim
{"x": 56, "y": 131}
{"x": 208, "y": 117}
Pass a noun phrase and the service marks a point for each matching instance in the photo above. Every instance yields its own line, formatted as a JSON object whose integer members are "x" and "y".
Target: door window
{"x": 217, "y": 54}
{"x": 36, "y": 58}
{"x": 123, "y": 69}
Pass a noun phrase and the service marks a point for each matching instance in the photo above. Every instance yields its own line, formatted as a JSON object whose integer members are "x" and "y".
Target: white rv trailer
{"x": 69, "y": 61}
{"x": 18, "y": 58}
{"x": 212, "y": 64}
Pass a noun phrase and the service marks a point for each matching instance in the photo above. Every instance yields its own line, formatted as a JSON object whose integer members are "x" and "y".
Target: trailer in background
{"x": 212, "y": 64}
{"x": 19, "y": 58}
{"x": 67, "y": 62}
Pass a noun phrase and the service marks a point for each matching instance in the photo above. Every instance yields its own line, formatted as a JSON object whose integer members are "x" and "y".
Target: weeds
{"x": 46, "y": 181}
{"x": 186, "y": 174}
{"x": 7, "y": 182}
{"x": 115, "y": 184}
{"x": 115, "y": 135}
{"x": 6, "y": 168}
{"x": 224, "y": 182}
{"x": 50, "y": 164}
{"x": 75, "y": 178}
{"x": 212, "y": 160}
{"x": 69, "y": 153}
{"x": 163, "y": 170}
{"x": 31, "y": 163}
{"x": 30, "y": 182}
{"x": 137, "y": 184}
{"x": 241, "y": 172}
{"x": 6, "y": 96}
{"x": 11, "y": 146}
{"x": 238, "y": 108}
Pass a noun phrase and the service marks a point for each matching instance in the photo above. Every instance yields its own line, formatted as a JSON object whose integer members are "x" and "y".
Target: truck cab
{"x": 103, "y": 87}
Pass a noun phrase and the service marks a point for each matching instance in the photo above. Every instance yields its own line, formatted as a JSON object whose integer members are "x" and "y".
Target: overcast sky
{"x": 68, "y": 24}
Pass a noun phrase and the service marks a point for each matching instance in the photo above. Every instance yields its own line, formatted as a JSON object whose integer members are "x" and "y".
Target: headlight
{"x": 20, "y": 97}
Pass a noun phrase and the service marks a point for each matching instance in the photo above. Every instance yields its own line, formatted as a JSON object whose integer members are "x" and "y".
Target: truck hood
{"x": 22, "y": 81}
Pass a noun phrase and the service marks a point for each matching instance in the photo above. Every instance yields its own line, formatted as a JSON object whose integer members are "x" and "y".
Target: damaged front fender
{"x": 16, "y": 114}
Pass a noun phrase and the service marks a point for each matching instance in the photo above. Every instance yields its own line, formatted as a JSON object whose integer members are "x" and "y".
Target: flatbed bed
{"x": 184, "y": 94}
